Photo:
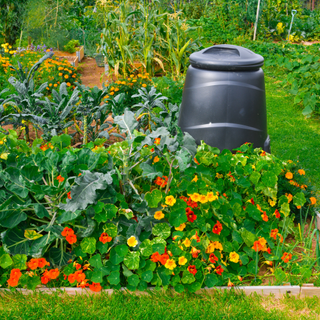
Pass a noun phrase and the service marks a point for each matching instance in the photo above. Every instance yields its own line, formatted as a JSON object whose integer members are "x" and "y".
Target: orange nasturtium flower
{"x": 42, "y": 262}
{"x": 71, "y": 238}
{"x": 60, "y": 178}
{"x": 33, "y": 264}
{"x": 53, "y": 274}
{"x": 104, "y": 238}
{"x": 96, "y": 287}
{"x": 158, "y": 215}
{"x": 157, "y": 141}
{"x": 289, "y": 175}
{"x": 273, "y": 233}
{"x": 286, "y": 257}
{"x": 156, "y": 159}
{"x": 69, "y": 195}
{"x": 67, "y": 231}
{"x": 264, "y": 216}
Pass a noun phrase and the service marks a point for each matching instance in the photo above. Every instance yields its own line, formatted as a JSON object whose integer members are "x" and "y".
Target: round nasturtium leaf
{"x": 162, "y": 230}
{"x": 88, "y": 245}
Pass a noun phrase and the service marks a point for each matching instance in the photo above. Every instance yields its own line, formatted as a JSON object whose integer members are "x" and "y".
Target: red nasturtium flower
{"x": 264, "y": 216}
{"x": 192, "y": 204}
{"x": 96, "y": 287}
{"x": 104, "y": 238}
{"x": 212, "y": 258}
{"x": 277, "y": 214}
{"x": 217, "y": 228}
{"x": 251, "y": 201}
{"x": 69, "y": 195}
{"x": 60, "y": 178}
{"x": 219, "y": 270}
{"x": 192, "y": 269}
{"x": 190, "y": 215}
{"x": 71, "y": 238}
{"x": 195, "y": 252}
{"x": 78, "y": 266}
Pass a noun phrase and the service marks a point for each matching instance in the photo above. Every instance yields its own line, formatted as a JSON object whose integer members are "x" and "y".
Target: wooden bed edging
{"x": 307, "y": 290}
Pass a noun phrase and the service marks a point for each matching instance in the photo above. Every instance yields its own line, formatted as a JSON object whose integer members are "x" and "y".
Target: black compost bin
{"x": 223, "y": 100}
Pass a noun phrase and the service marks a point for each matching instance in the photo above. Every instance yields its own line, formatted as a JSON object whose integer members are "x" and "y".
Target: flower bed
{"x": 153, "y": 210}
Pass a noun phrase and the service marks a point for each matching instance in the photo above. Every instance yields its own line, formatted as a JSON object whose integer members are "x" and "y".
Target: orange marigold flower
{"x": 286, "y": 257}
{"x": 67, "y": 231}
{"x": 33, "y": 264}
{"x": 104, "y": 238}
{"x": 192, "y": 269}
{"x": 219, "y": 270}
{"x": 60, "y": 178}
{"x": 289, "y": 175}
{"x": 71, "y": 238}
{"x": 96, "y": 287}
{"x": 313, "y": 200}
{"x": 301, "y": 172}
{"x": 217, "y": 228}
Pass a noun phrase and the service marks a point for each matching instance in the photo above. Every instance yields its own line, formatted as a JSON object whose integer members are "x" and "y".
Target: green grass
{"x": 162, "y": 306}
{"x": 292, "y": 135}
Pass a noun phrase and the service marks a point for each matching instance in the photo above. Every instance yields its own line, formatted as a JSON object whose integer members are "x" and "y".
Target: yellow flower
{"x": 234, "y": 257}
{"x": 4, "y": 156}
{"x": 203, "y": 198}
{"x": 170, "y": 264}
{"x": 313, "y": 200}
{"x": 170, "y": 201}
{"x": 158, "y": 215}
{"x": 144, "y": 85}
{"x": 132, "y": 241}
{"x": 187, "y": 243}
{"x": 195, "y": 179}
{"x": 116, "y": 89}
{"x": 1, "y": 142}
{"x": 218, "y": 175}
{"x": 66, "y": 76}
{"x": 211, "y": 197}
{"x": 195, "y": 197}
{"x": 123, "y": 82}
{"x": 272, "y": 203}
{"x": 182, "y": 261}
{"x": 181, "y": 227}
{"x": 289, "y": 175}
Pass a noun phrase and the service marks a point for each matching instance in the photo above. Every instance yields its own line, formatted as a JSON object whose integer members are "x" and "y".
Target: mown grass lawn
{"x": 157, "y": 306}
{"x": 292, "y": 135}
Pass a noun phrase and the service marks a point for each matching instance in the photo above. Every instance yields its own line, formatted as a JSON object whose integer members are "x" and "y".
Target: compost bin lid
{"x": 226, "y": 57}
